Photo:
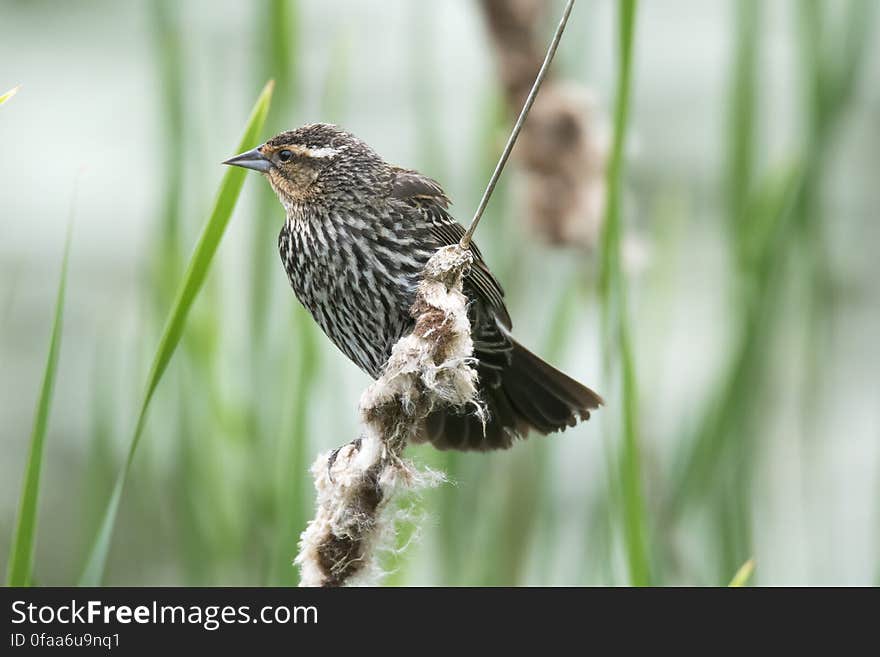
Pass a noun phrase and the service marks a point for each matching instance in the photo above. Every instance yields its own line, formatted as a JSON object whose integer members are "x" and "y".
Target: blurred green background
{"x": 729, "y": 314}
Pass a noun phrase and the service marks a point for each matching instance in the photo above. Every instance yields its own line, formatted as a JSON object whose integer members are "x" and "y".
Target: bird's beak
{"x": 252, "y": 159}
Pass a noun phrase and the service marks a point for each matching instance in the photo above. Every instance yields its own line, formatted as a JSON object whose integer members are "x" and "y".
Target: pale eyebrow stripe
{"x": 304, "y": 151}
{"x": 321, "y": 152}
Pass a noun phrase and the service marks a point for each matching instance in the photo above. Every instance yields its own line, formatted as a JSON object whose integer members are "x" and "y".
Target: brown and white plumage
{"x": 357, "y": 235}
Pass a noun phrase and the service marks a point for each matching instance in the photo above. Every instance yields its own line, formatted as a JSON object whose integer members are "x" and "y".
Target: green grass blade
{"x": 193, "y": 278}
{"x": 615, "y": 316}
{"x": 168, "y": 257}
{"x": 743, "y": 575}
{"x": 9, "y": 94}
{"x": 741, "y": 119}
{"x": 21, "y": 558}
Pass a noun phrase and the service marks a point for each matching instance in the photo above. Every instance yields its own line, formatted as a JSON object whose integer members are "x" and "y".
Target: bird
{"x": 357, "y": 234}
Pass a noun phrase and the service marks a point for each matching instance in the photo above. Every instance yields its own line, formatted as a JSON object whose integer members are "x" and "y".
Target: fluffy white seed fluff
{"x": 358, "y": 485}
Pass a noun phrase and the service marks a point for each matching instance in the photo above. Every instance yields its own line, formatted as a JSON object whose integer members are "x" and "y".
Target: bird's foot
{"x": 335, "y": 453}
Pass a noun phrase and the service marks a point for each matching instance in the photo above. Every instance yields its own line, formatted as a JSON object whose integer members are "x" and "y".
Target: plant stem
{"x": 615, "y": 315}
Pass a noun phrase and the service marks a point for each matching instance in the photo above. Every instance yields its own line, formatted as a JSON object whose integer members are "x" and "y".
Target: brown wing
{"x": 426, "y": 196}
{"x": 521, "y": 391}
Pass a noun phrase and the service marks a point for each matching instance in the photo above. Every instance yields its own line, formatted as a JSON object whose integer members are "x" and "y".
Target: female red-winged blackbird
{"x": 357, "y": 235}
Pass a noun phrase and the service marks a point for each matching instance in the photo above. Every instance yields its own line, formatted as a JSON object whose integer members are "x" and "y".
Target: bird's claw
{"x": 335, "y": 453}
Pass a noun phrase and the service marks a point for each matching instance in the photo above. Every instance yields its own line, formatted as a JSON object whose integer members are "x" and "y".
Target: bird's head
{"x": 313, "y": 160}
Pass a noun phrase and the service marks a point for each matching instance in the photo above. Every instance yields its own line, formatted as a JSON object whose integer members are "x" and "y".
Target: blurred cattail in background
{"x": 564, "y": 144}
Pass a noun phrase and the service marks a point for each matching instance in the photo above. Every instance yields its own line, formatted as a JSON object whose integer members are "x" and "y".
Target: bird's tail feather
{"x": 532, "y": 395}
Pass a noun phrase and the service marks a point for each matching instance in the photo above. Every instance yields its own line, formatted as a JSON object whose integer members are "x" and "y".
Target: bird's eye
{"x": 285, "y": 155}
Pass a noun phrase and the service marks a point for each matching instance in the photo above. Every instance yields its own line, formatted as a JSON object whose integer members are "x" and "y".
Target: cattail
{"x": 358, "y": 485}
{"x": 564, "y": 144}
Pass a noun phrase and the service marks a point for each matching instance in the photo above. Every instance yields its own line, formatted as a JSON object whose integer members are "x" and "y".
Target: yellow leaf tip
{"x": 744, "y": 574}
{"x": 9, "y": 94}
